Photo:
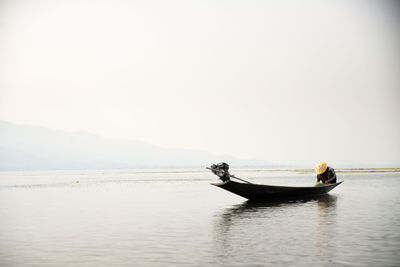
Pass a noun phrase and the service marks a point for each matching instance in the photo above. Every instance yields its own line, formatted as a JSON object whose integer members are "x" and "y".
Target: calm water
{"x": 127, "y": 218}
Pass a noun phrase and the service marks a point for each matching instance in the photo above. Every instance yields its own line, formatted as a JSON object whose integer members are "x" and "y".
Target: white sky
{"x": 290, "y": 82}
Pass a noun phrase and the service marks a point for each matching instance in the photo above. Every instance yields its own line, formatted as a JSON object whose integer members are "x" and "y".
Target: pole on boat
{"x": 230, "y": 175}
{"x": 233, "y": 176}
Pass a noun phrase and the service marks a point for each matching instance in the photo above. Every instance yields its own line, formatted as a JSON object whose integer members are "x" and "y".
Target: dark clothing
{"x": 328, "y": 177}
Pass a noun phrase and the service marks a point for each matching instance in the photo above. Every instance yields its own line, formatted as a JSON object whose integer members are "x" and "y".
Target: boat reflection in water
{"x": 277, "y": 232}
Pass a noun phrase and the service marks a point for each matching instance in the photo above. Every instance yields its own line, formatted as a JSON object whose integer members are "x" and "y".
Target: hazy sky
{"x": 290, "y": 82}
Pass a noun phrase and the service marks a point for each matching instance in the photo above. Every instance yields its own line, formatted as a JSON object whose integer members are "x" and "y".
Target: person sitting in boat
{"x": 325, "y": 174}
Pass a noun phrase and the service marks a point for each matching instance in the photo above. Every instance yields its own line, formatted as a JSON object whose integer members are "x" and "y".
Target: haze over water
{"x": 156, "y": 84}
{"x": 134, "y": 218}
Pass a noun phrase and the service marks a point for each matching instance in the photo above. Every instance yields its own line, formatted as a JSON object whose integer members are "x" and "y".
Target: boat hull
{"x": 271, "y": 192}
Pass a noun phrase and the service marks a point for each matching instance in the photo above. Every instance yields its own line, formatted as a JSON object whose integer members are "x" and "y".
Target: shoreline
{"x": 338, "y": 170}
{"x": 201, "y": 170}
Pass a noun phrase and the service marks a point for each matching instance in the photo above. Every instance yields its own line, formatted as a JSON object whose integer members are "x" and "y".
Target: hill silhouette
{"x": 26, "y": 147}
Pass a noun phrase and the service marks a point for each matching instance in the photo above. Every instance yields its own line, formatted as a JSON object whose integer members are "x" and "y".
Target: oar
{"x": 232, "y": 176}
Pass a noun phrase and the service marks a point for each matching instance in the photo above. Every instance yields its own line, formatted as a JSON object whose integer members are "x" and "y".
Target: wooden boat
{"x": 272, "y": 192}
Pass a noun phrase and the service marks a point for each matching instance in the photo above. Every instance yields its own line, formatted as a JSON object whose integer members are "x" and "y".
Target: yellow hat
{"x": 321, "y": 167}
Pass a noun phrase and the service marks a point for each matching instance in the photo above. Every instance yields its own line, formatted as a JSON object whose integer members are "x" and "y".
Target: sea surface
{"x": 176, "y": 218}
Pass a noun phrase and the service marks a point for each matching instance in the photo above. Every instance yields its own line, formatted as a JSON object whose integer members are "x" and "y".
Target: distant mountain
{"x": 26, "y": 147}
